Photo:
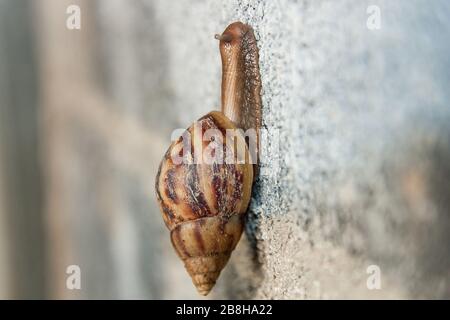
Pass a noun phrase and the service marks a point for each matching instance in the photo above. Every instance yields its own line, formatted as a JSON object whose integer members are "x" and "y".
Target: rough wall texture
{"x": 363, "y": 150}
{"x": 356, "y": 161}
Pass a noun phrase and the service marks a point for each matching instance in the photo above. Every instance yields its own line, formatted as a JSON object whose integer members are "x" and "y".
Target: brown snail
{"x": 203, "y": 203}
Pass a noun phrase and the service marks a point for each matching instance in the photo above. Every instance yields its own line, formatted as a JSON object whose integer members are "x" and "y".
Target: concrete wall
{"x": 363, "y": 118}
{"x": 357, "y": 159}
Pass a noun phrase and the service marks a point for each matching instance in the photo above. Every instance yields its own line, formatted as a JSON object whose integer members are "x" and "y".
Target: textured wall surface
{"x": 356, "y": 161}
{"x": 363, "y": 150}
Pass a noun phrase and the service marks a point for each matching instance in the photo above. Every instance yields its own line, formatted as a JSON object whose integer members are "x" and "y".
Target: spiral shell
{"x": 203, "y": 204}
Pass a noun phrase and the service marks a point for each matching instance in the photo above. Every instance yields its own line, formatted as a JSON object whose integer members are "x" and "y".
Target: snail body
{"x": 202, "y": 195}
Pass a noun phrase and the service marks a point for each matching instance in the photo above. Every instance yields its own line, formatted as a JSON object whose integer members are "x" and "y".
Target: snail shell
{"x": 203, "y": 203}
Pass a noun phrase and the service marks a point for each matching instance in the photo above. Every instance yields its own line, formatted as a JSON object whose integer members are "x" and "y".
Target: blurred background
{"x": 362, "y": 175}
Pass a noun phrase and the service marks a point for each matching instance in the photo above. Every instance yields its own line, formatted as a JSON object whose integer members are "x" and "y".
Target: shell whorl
{"x": 203, "y": 203}
{"x": 205, "y": 245}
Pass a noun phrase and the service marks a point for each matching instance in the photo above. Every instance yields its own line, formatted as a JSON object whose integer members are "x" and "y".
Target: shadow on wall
{"x": 434, "y": 256}
{"x": 23, "y": 230}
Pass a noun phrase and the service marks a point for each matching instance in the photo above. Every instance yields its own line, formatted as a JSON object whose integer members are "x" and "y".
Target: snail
{"x": 203, "y": 203}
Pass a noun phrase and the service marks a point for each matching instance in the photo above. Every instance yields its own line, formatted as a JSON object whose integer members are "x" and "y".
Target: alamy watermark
{"x": 374, "y": 280}
{"x": 73, "y": 21}
{"x": 374, "y": 19}
{"x": 73, "y": 280}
